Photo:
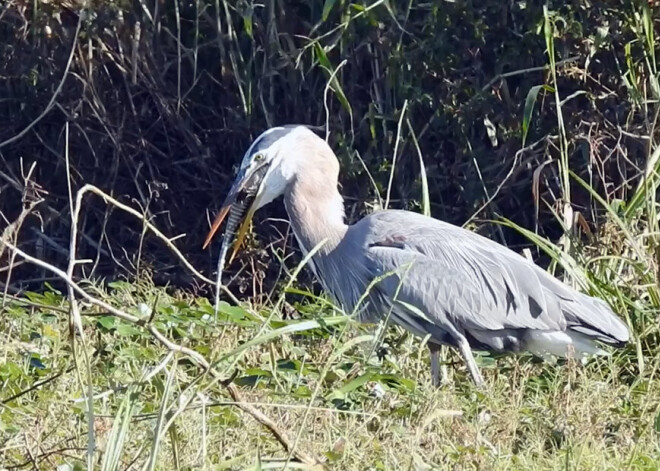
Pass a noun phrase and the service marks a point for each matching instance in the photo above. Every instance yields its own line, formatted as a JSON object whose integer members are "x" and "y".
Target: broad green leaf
{"x": 107, "y": 322}
{"x": 350, "y": 386}
{"x": 257, "y": 372}
{"x": 10, "y": 370}
{"x": 127, "y": 330}
{"x": 289, "y": 365}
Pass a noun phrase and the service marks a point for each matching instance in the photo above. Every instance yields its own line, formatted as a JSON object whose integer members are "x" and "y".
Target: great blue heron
{"x": 462, "y": 289}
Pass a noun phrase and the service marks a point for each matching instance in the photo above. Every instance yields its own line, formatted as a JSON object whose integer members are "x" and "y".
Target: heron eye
{"x": 258, "y": 157}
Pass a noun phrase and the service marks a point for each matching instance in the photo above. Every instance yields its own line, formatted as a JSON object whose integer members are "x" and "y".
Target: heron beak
{"x": 242, "y": 231}
{"x": 243, "y": 193}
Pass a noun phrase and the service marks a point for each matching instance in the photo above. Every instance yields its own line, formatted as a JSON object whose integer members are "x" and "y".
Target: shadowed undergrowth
{"x": 162, "y": 100}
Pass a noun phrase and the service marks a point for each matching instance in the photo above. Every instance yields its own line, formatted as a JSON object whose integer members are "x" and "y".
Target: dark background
{"x": 163, "y": 98}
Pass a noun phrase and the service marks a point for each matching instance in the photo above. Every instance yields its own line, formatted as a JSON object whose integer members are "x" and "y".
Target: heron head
{"x": 270, "y": 164}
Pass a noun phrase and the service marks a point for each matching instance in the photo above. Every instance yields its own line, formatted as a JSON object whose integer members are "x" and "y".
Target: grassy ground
{"x": 323, "y": 386}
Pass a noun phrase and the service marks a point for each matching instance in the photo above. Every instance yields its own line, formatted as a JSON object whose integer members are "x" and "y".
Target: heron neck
{"x": 316, "y": 212}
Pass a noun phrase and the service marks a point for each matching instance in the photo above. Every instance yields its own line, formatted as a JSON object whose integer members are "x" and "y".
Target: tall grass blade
{"x": 556, "y": 254}
{"x": 322, "y": 57}
{"x": 327, "y": 8}
{"x": 119, "y": 433}
{"x": 530, "y": 101}
{"x": 395, "y": 153}
{"x": 567, "y": 210}
{"x": 150, "y": 465}
{"x": 612, "y": 214}
{"x": 648, "y": 186}
{"x": 299, "y": 326}
{"x": 426, "y": 200}
{"x": 649, "y": 49}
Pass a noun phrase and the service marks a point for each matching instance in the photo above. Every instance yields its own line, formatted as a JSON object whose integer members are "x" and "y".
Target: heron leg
{"x": 435, "y": 364}
{"x": 439, "y": 372}
{"x": 466, "y": 353}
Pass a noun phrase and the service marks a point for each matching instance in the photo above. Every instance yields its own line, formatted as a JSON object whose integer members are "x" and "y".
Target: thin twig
{"x": 504, "y": 180}
{"x": 526, "y": 71}
{"x": 168, "y": 242}
{"x": 75, "y": 319}
{"x": 36, "y": 385}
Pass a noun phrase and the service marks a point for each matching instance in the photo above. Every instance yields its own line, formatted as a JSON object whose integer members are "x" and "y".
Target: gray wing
{"x": 462, "y": 280}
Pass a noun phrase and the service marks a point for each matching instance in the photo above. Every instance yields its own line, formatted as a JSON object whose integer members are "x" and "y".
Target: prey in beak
{"x": 242, "y": 197}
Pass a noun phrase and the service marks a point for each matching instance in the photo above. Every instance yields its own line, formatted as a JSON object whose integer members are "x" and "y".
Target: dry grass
{"x": 532, "y": 416}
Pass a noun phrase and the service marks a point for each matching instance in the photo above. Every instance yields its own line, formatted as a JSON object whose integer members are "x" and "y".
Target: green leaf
{"x": 10, "y": 370}
{"x": 127, "y": 330}
{"x": 247, "y": 21}
{"x": 327, "y": 8}
{"x": 51, "y": 289}
{"x": 52, "y": 299}
{"x": 286, "y": 364}
{"x": 396, "y": 382}
{"x": 336, "y": 86}
{"x": 236, "y": 313}
{"x": 34, "y": 297}
{"x": 258, "y": 372}
{"x": 107, "y": 322}
{"x": 350, "y": 386}
{"x": 529, "y": 109}
{"x": 121, "y": 285}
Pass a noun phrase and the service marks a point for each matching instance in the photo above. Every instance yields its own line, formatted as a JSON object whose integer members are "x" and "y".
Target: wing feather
{"x": 463, "y": 283}
{"x": 473, "y": 281}
{"x": 449, "y": 295}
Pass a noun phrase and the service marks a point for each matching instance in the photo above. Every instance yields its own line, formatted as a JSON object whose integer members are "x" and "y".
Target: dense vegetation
{"x": 536, "y": 125}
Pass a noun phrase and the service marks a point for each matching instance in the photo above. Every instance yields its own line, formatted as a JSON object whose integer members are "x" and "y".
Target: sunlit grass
{"x": 362, "y": 412}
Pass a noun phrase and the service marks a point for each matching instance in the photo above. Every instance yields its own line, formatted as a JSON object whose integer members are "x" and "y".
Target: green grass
{"x": 318, "y": 382}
